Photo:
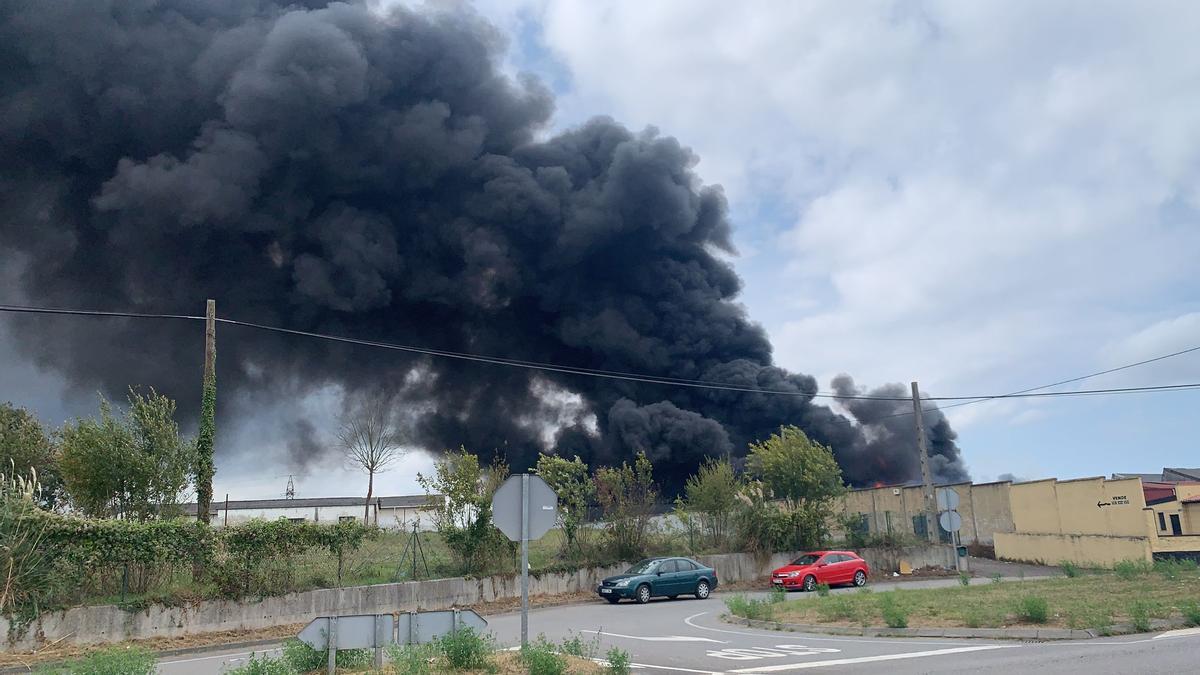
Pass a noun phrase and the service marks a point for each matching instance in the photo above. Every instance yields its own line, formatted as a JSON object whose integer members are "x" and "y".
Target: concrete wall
{"x": 1088, "y": 549}
{"x": 985, "y": 509}
{"x": 107, "y": 623}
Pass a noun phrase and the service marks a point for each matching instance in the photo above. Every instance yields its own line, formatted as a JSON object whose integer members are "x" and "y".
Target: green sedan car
{"x": 660, "y": 577}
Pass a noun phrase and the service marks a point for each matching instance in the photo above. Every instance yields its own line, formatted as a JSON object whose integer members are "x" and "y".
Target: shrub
{"x": 618, "y": 661}
{"x": 740, "y": 605}
{"x": 823, "y": 590}
{"x": 1032, "y": 609}
{"x": 465, "y": 649}
{"x": 964, "y": 579}
{"x": 412, "y": 659}
{"x": 1070, "y": 569}
{"x": 263, "y": 665}
{"x": 894, "y": 614}
{"x": 112, "y": 661}
{"x": 1129, "y": 569}
{"x": 1139, "y": 615}
{"x": 778, "y": 595}
{"x": 1191, "y": 612}
{"x": 540, "y": 658}
{"x": 577, "y": 646}
{"x": 302, "y": 658}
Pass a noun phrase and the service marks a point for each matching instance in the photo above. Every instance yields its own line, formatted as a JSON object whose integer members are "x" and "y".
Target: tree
{"x": 626, "y": 495}
{"x": 463, "y": 516}
{"x": 25, "y": 448}
{"x": 135, "y": 466}
{"x": 371, "y": 442}
{"x": 712, "y": 495}
{"x": 575, "y": 489}
{"x": 803, "y": 474}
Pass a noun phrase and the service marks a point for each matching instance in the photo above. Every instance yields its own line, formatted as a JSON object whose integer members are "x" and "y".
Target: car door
{"x": 664, "y": 583}
{"x": 845, "y": 568}
{"x": 827, "y": 569}
{"x": 689, "y": 574}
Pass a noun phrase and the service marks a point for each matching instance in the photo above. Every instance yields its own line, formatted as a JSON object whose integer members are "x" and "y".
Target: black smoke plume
{"x": 333, "y": 169}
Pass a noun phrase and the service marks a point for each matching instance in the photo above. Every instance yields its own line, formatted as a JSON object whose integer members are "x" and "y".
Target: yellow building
{"x": 1098, "y": 521}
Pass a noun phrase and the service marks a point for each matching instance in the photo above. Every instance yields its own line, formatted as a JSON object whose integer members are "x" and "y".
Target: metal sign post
{"x": 524, "y": 508}
{"x": 951, "y": 521}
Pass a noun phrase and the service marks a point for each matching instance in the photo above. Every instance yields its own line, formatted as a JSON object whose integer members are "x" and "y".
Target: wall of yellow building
{"x": 1034, "y": 508}
{"x": 1085, "y": 549}
{"x": 984, "y": 509}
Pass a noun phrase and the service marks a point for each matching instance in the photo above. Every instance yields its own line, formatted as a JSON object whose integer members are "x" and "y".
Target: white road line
{"x": 866, "y": 659}
{"x": 664, "y": 638}
{"x": 811, "y": 637}
{"x": 219, "y": 656}
{"x": 676, "y": 669}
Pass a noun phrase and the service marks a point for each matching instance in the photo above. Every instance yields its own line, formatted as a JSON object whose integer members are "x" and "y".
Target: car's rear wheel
{"x": 860, "y": 578}
{"x": 613, "y": 601}
{"x": 810, "y": 583}
{"x": 643, "y": 594}
{"x": 702, "y": 590}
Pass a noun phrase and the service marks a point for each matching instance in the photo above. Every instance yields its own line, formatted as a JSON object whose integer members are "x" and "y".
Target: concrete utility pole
{"x": 930, "y": 501}
{"x": 204, "y": 471}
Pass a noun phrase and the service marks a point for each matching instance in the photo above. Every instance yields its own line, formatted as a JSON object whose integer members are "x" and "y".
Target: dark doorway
{"x": 1175, "y": 528}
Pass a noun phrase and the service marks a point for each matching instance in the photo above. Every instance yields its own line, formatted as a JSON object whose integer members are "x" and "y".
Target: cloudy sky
{"x": 983, "y": 197}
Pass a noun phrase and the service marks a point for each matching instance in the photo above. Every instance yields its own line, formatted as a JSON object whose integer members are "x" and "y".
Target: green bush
{"x": 577, "y": 646}
{"x": 1130, "y": 569}
{"x": 465, "y": 649}
{"x": 412, "y": 659}
{"x": 1070, "y": 569}
{"x": 111, "y": 661}
{"x": 1139, "y": 615}
{"x": 778, "y": 595}
{"x": 302, "y": 658}
{"x": 618, "y": 661}
{"x": 540, "y": 658}
{"x": 263, "y": 665}
{"x": 740, "y": 605}
{"x": 823, "y": 590}
{"x": 1033, "y": 609}
{"x": 1191, "y": 612}
{"x": 964, "y": 579}
{"x": 895, "y": 615}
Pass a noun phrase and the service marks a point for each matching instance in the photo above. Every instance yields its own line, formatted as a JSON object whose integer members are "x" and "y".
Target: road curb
{"x": 987, "y": 633}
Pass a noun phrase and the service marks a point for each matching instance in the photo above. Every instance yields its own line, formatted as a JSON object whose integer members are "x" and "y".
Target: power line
{"x": 632, "y": 377}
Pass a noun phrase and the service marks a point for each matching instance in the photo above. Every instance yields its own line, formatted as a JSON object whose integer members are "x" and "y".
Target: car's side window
{"x": 840, "y": 558}
{"x": 667, "y": 567}
{"x": 687, "y": 566}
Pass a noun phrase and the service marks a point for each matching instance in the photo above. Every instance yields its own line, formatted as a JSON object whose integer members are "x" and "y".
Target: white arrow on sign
{"x": 661, "y": 638}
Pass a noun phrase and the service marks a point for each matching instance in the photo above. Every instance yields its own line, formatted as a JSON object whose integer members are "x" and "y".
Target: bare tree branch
{"x": 370, "y": 441}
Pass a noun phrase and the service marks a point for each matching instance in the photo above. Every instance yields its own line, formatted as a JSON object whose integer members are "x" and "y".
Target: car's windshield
{"x": 806, "y": 559}
{"x": 643, "y": 567}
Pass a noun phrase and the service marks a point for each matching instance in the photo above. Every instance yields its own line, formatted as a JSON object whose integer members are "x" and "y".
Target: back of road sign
{"x": 506, "y": 508}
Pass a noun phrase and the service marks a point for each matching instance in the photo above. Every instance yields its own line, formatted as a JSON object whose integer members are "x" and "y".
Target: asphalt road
{"x": 686, "y": 636}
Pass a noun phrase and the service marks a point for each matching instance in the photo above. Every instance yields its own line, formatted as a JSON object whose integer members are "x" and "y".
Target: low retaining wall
{"x": 109, "y": 623}
{"x": 1082, "y": 549}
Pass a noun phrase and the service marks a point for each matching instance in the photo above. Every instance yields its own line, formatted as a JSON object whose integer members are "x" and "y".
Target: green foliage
{"x": 618, "y": 661}
{"x": 1131, "y": 569}
{"x": 823, "y": 590}
{"x": 575, "y": 645}
{"x": 1032, "y": 609}
{"x": 778, "y": 595}
{"x": 1070, "y": 569}
{"x": 26, "y": 449}
{"x": 1191, "y": 612}
{"x": 302, "y": 658}
{"x": 1139, "y": 615}
{"x": 996, "y": 578}
{"x": 712, "y": 495}
{"x": 135, "y": 466}
{"x": 112, "y": 661}
{"x": 838, "y": 608}
{"x": 261, "y": 664}
{"x": 412, "y": 659}
{"x": 25, "y": 563}
{"x": 464, "y": 516}
{"x": 202, "y": 464}
{"x": 895, "y": 615}
{"x": 575, "y": 490}
{"x": 626, "y": 495}
{"x": 766, "y": 527}
{"x": 796, "y": 469}
{"x": 750, "y": 608}
{"x": 1172, "y": 570}
{"x": 964, "y": 579}
{"x": 464, "y": 649}
{"x": 540, "y": 658}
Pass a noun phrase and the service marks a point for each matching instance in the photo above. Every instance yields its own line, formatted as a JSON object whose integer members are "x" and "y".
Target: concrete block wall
{"x": 108, "y": 623}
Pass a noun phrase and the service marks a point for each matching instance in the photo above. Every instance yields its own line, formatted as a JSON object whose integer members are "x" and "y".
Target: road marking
{"x": 219, "y": 656}
{"x": 867, "y": 659}
{"x": 1182, "y": 632}
{"x": 811, "y": 637}
{"x": 664, "y": 638}
{"x": 755, "y": 653}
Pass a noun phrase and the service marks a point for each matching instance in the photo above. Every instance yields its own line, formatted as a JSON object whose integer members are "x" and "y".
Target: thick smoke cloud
{"x": 325, "y": 168}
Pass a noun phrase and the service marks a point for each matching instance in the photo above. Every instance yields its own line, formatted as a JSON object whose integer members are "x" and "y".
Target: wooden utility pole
{"x": 930, "y": 501}
{"x": 208, "y": 410}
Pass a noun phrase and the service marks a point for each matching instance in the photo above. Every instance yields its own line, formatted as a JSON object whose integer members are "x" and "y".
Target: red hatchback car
{"x": 822, "y": 567}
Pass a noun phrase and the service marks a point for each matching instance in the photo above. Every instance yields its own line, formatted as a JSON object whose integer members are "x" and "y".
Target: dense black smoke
{"x": 329, "y": 169}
